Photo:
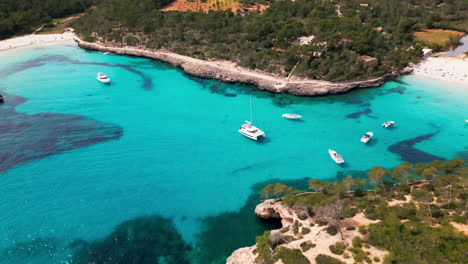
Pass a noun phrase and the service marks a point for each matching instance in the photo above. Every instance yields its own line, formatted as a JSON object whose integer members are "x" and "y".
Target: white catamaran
{"x": 248, "y": 129}
{"x": 335, "y": 156}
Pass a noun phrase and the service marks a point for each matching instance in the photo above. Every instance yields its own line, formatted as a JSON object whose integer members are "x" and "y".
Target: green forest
{"x": 23, "y": 16}
{"x": 265, "y": 41}
{"x": 419, "y": 229}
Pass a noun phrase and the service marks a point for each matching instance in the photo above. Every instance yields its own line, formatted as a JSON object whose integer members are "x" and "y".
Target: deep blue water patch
{"x": 24, "y": 138}
{"x": 356, "y": 115}
{"x": 150, "y": 239}
{"x": 397, "y": 90}
{"x": 405, "y": 149}
{"x": 43, "y": 60}
{"x": 400, "y": 81}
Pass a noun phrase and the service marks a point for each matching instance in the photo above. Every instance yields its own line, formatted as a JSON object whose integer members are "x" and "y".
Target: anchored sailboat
{"x": 250, "y": 130}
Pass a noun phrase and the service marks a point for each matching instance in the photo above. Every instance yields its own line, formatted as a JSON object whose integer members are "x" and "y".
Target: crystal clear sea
{"x": 158, "y": 149}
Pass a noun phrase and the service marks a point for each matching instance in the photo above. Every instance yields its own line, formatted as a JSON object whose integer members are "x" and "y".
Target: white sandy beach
{"x": 447, "y": 69}
{"x": 35, "y": 39}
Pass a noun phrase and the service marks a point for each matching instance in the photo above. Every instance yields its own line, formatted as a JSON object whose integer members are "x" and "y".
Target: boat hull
{"x": 291, "y": 116}
{"x": 254, "y": 137}
{"x": 105, "y": 81}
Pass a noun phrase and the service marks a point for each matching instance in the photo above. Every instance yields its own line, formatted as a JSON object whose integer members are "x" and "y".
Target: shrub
{"x": 338, "y": 248}
{"x": 302, "y": 215}
{"x": 332, "y": 230}
{"x": 376, "y": 259}
{"x": 295, "y": 227}
{"x": 322, "y": 223}
{"x": 305, "y": 230}
{"x": 264, "y": 248}
{"x": 357, "y": 242}
{"x": 290, "y": 256}
{"x": 305, "y": 246}
{"x": 362, "y": 230}
{"x": 359, "y": 193}
{"x": 131, "y": 40}
{"x": 325, "y": 259}
{"x": 284, "y": 230}
{"x": 458, "y": 218}
{"x": 348, "y": 211}
{"x": 351, "y": 228}
{"x": 89, "y": 38}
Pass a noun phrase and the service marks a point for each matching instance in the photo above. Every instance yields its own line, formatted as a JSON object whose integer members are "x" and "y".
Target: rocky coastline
{"x": 228, "y": 72}
{"x": 316, "y": 236}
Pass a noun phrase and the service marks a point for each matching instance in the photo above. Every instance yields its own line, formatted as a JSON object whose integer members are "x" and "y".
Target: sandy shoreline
{"x": 35, "y": 40}
{"x": 447, "y": 69}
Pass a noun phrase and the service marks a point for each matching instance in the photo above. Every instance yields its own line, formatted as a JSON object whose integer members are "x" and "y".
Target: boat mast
{"x": 251, "y": 119}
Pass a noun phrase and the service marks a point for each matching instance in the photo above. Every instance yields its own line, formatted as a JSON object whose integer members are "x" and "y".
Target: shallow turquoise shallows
{"x": 158, "y": 142}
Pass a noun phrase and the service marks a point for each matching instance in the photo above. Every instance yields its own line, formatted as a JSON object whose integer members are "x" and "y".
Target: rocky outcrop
{"x": 293, "y": 236}
{"x": 227, "y": 72}
{"x": 242, "y": 256}
{"x": 273, "y": 208}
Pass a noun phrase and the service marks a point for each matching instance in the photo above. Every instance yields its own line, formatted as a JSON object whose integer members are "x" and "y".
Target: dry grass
{"x": 199, "y": 6}
{"x": 437, "y": 36}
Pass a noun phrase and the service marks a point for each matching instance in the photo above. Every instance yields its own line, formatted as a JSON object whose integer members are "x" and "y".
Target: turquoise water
{"x": 157, "y": 142}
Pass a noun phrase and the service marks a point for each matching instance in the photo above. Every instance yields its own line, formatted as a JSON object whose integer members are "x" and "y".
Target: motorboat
{"x": 367, "y": 136}
{"x": 251, "y": 131}
{"x": 103, "y": 78}
{"x": 335, "y": 156}
{"x": 388, "y": 123}
{"x": 292, "y": 116}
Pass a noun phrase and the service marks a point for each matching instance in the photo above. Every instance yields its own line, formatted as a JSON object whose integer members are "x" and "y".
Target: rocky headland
{"x": 229, "y": 72}
{"x": 307, "y": 235}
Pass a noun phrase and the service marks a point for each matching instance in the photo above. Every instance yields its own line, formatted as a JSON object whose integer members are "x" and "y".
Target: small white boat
{"x": 251, "y": 131}
{"x": 367, "y": 136}
{"x": 388, "y": 123}
{"x": 466, "y": 121}
{"x": 292, "y": 116}
{"x": 103, "y": 78}
{"x": 335, "y": 156}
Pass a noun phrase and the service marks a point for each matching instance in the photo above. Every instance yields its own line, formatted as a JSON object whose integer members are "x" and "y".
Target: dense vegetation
{"x": 22, "y": 16}
{"x": 418, "y": 228}
{"x": 265, "y": 40}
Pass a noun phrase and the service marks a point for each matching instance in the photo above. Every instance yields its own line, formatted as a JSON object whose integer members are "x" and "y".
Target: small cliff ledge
{"x": 228, "y": 72}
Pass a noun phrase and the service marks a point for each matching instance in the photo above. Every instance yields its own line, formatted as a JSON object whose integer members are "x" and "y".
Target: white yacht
{"x": 292, "y": 116}
{"x": 103, "y": 78}
{"x": 388, "y": 123}
{"x": 248, "y": 129}
{"x": 251, "y": 131}
{"x": 367, "y": 136}
{"x": 335, "y": 156}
